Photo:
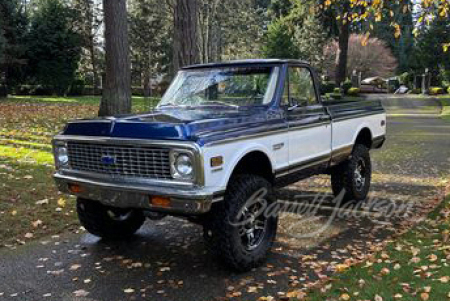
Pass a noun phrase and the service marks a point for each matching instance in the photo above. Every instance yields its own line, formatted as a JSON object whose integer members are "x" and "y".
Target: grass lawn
{"x": 30, "y": 206}
{"x": 413, "y": 267}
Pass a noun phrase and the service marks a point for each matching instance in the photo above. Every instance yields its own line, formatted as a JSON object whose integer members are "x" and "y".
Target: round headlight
{"x": 63, "y": 157}
{"x": 183, "y": 165}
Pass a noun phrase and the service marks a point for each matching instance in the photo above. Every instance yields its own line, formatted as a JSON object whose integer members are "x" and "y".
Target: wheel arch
{"x": 254, "y": 161}
{"x": 364, "y": 136}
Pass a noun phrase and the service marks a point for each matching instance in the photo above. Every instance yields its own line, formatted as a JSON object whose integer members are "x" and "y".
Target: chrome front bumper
{"x": 183, "y": 200}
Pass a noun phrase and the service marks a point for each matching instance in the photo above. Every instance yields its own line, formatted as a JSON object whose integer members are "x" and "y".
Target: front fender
{"x": 232, "y": 153}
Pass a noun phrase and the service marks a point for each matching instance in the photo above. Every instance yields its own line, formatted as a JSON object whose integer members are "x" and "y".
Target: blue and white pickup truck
{"x": 223, "y": 137}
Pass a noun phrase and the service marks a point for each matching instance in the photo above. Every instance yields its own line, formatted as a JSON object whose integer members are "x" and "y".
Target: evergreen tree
{"x": 429, "y": 53}
{"x": 13, "y": 28}
{"x": 280, "y": 8}
{"x": 89, "y": 26}
{"x": 54, "y": 46}
{"x": 401, "y": 41}
{"x": 150, "y": 56}
{"x": 299, "y": 34}
{"x": 280, "y": 41}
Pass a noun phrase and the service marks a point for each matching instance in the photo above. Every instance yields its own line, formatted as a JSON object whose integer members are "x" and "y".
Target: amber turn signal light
{"x": 75, "y": 188}
{"x": 160, "y": 201}
{"x": 216, "y": 161}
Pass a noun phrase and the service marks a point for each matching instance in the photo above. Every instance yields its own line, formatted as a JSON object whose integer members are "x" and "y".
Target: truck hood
{"x": 199, "y": 125}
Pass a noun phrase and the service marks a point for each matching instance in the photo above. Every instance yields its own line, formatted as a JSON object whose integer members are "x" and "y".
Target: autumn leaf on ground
{"x": 61, "y": 202}
{"x": 75, "y": 267}
{"x": 42, "y": 202}
{"x": 80, "y": 293}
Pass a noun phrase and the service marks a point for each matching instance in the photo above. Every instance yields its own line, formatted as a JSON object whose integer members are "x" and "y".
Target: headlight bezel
{"x": 58, "y": 147}
{"x": 174, "y": 170}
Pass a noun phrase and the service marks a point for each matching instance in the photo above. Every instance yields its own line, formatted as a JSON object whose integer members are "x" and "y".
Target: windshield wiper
{"x": 167, "y": 105}
{"x": 207, "y": 103}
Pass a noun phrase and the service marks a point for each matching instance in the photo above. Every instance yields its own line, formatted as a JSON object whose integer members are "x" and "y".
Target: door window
{"x": 301, "y": 87}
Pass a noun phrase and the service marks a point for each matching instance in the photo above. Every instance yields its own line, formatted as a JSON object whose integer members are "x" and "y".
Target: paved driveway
{"x": 168, "y": 259}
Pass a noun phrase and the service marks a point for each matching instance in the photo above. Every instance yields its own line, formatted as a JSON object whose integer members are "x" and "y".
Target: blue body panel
{"x": 201, "y": 126}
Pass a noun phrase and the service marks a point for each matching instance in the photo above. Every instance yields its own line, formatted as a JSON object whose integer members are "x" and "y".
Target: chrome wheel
{"x": 252, "y": 221}
{"x": 360, "y": 175}
{"x": 119, "y": 215}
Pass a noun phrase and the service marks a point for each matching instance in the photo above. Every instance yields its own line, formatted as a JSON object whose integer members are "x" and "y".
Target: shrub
{"x": 137, "y": 91}
{"x": 353, "y": 91}
{"x": 77, "y": 87}
{"x": 337, "y": 90}
{"x": 42, "y": 91}
{"x": 335, "y": 95}
{"x": 406, "y": 79}
{"x": 416, "y": 91}
{"x": 22, "y": 90}
{"x": 3, "y": 91}
{"x": 444, "y": 77}
{"x": 37, "y": 90}
{"x": 448, "y": 90}
{"x": 436, "y": 91}
{"x": 346, "y": 85}
{"x": 327, "y": 87}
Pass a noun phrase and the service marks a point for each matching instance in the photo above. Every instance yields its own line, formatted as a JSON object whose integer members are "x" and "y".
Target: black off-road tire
{"x": 96, "y": 219}
{"x": 223, "y": 237}
{"x": 343, "y": 176}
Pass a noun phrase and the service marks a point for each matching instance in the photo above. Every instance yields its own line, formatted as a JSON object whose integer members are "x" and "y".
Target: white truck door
{"x": 309, "y": 124}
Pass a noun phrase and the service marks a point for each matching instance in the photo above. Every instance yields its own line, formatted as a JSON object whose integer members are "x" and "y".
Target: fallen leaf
{"x": 42, "y": 202}
{"x": 80, "y": 293}
{"x": 75, "y": 267}
{"x": 341, "y": 267}
{"x": 128, "y": 291}
{"x": 36, "y": 223}
{"x": 62, "y": 202}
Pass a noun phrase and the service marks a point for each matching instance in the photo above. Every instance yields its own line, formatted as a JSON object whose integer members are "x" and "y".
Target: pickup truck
{"x": 221, "y": 140}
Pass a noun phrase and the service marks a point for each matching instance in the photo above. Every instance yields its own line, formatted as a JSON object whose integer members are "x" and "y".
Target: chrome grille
{"x": 120, "y": 160}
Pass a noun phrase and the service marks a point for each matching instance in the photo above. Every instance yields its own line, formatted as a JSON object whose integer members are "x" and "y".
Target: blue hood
{"x": 199, "y": 125}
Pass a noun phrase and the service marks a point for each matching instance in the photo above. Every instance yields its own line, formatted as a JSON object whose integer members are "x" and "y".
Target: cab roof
{"x": 245, "y": 63}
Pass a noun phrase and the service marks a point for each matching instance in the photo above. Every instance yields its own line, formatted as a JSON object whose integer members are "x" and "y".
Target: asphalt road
{"x": 168, "y": 260}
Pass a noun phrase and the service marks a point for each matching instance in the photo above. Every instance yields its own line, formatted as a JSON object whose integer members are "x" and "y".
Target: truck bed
{"x": 346, "y": 109}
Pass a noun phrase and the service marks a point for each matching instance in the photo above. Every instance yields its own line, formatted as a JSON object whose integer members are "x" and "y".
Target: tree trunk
{"x": 147, "y": 83}
{"x": 116, "y": 97}
{"x": 94, "y": 66}
{"x": 342, "y": 55}
{"x": 185, "y": 47}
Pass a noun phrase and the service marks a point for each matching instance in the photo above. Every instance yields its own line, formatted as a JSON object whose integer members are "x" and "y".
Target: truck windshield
{"x": 230, "y": 87}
